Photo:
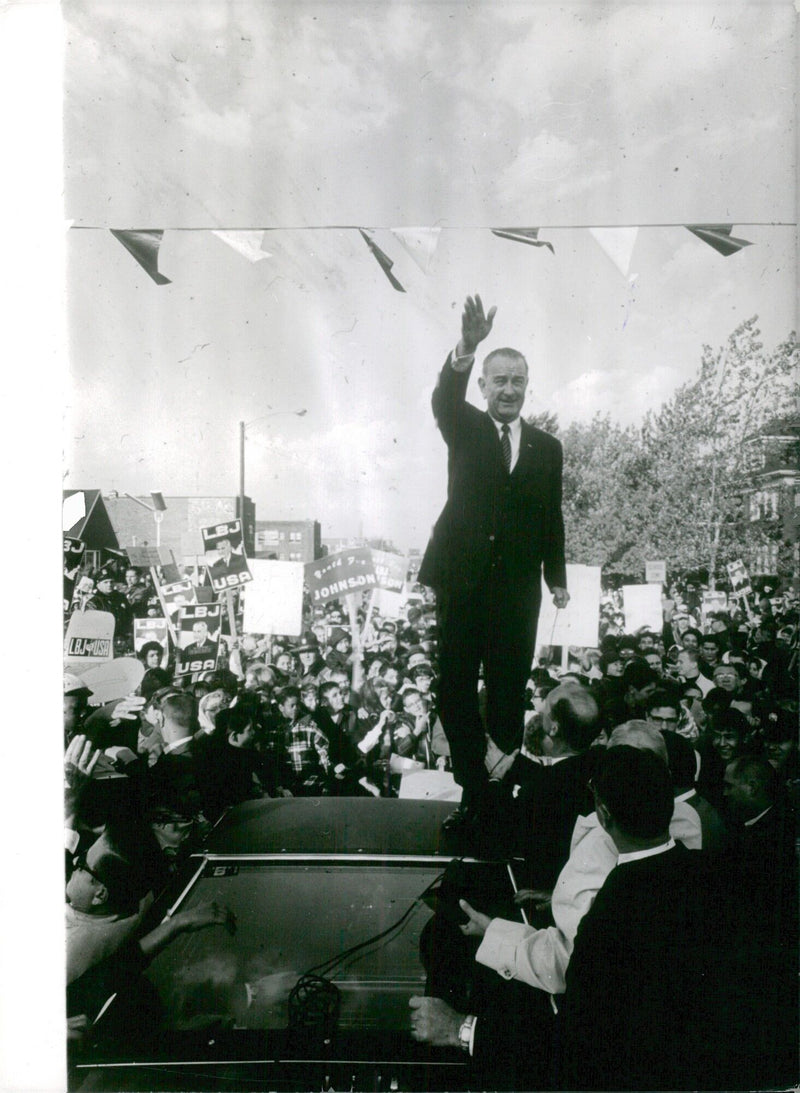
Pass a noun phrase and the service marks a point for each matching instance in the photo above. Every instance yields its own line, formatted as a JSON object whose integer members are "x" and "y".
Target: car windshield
{"x": 292, "y": 917}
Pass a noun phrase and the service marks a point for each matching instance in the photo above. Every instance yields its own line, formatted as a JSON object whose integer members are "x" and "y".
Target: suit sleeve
{"x": 555, "y": 569}
{"x": 449, "y": 399}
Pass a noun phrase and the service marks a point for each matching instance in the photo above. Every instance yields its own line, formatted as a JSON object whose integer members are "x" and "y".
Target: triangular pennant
{"x": 523, "y": 235}
{"x": 144, "y": 245}
{"x": 719, "y": 237}
{"x": 247, "y": 243}
{"x": 73, "y": 510}
{"x": 421, "y": 243}
{"x": 384, "y": 261}
{"x": 617, "y": 244}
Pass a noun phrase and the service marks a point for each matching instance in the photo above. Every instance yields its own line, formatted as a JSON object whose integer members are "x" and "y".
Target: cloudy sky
{"x": 309, "y": 119}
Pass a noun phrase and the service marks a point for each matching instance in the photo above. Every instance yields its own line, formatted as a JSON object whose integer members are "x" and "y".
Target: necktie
{"x": 505, "y": 446}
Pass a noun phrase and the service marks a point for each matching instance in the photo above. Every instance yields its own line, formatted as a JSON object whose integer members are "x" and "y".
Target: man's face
{"x": 307, "y": 657}
{"x": 709, "y": 652}
{"x": 690, "y": 642}
{"x": 74, "y": 710}
{"x": 663, "y": 717}
{"x": 686, "y": 667}
{"x": 654, "y": 660}
{"x": 626, "y": 654}
{"x": 343, "y": 683}
{"x": 646, "y": 644}
{"x": 777, "y": 752}
{"x": 130, "y": 577}
{"x": 83, "y": 887}
{"x": 309, "y": 698}
{"x": 637, "y": 698}
{"x": 413, "y": 704}
{"x": 423, "y": 683}
{"x": 503, "y": 385}
{"x": 726, "y": 678}
{"x": 200, "y": 632}
{"x": 224, "y": 548}
{"x": 104, "y": 585}
{"x": 283, "y": 662}
{"x": 334, "y": 700}
{"x": 289, "y": 707}
{"x": 726, "y": 743}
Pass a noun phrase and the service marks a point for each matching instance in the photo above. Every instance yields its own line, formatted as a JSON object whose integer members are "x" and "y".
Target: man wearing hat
{"x": 499, "y": 530}
{"x": 308, "y": 656}
{"x": 106, "y": 598}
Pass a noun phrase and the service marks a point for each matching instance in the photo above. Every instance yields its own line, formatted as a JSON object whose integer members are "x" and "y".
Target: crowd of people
{"x": 708, "y": 700}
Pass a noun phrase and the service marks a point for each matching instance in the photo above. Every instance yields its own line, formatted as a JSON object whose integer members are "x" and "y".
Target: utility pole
{"x": 241, "y": 475}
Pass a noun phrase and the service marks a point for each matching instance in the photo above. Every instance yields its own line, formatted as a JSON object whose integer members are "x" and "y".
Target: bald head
{"x": 639, "y": 734}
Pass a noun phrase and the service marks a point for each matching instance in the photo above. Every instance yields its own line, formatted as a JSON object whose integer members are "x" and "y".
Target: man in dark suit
{"x": 500, "y": 528}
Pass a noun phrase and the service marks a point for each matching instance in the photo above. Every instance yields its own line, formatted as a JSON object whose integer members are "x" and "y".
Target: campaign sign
{"x": 339, "y": 575}
{"x": 89, "y": 640}
{"x": 655, "y": 572}
{"x": 390, "y": 570}
{"x": 713, "y": 601}
{"x": 147, "y": 633}
{"x": 174, "y": 596}
{"x": 273, "y": 603}
{"x": 73, "y": 555}
{"x": 739, "y": 578}
{"x": 227, "y": 563}
{"x": 579, "y": 622}
{"x": 198, "y": 638}
{"x": 389, "y": 605}
{"x": 642, "y": 607}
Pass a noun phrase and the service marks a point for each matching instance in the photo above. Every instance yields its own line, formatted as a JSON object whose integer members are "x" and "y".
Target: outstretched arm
{"x": 451, "y": 388}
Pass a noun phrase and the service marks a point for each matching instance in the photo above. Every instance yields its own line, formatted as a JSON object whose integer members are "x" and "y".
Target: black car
{"x": 331, "y": 898}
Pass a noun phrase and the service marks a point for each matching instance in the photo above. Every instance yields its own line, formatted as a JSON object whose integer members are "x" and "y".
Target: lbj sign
{"x": 89, "y": 640}
{"x": 340, "y": 575}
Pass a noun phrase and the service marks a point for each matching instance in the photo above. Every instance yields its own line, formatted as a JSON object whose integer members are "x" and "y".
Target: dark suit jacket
{"x": 490, "y": 516}
{"x": 630, "y": 1002}
{"x": 548, "y": 801}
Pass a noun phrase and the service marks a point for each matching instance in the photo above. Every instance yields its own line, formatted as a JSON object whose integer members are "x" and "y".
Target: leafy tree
{"x": 677, "y": 488}
{"x": 695, "y": 448}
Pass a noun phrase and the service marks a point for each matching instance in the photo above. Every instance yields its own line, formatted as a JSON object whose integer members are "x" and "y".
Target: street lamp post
{"x": 243, "y": 426}
{"x": 157, "y": 508}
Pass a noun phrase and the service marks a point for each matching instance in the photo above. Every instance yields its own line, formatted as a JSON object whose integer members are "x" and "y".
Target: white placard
{"x": 389, "y": 605}
{"x": 655, "y": 572}
{"x": 642, "y": 607}
{"x": 429, "y": 785}
{"x": 273, "y": 601}
{"x": 579, "y": 623}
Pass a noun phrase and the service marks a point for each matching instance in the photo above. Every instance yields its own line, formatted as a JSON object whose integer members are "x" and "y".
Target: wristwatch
{"x": 465, "y": 1033}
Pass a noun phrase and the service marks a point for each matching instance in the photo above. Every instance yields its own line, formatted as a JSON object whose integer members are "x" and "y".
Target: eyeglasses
{"x": 663, "y": 720}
